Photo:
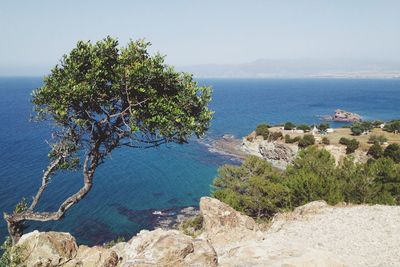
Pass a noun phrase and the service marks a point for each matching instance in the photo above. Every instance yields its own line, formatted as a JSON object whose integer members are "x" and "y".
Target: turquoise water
{"x": 133, "y": 183}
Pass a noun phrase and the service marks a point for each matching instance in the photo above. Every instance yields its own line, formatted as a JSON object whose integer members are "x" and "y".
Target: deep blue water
{"x": 133, "y": 183}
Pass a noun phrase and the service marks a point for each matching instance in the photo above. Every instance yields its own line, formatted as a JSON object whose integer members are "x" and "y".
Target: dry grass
{"x": 345, "y": 132}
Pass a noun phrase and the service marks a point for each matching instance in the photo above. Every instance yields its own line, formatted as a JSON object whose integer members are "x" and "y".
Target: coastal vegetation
{"x": 102, "y": 97}
{"x": 258, "y": 190}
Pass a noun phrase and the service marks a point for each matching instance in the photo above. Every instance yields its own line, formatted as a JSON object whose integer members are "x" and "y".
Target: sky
{"x": 35, "y": 34}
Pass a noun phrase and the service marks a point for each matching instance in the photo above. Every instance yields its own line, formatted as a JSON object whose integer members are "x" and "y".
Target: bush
{"x": 275, "y": 136}
{"x": 344, "y": 141}
{"x": 303, "y": 127}
{"x": 306, "y": 141}
{"x": 255, "y": 189}
{"x": 352, "y": 145}
{"x": 291, "y": 140}
{"x": 289, "y": 126}
{"x": 392, "y": 151}
{"x": 358, "y": 128}
{"x": 262, "y": 129}
{"x": 323, "y": 127}
{"x": 392, "y": 126}
{"x": 375, "y": 151}
{"x": 192, "y": 226}
{"x": 377, "y": 139}
{"x": 325, "y": 140}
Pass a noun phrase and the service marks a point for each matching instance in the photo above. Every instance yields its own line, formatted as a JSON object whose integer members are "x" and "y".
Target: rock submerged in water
{"x": 315, "y": 234}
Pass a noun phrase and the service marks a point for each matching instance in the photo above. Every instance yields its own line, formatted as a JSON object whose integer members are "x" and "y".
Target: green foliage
{"x": 11, "y": 256}
{"x": 291, "y": 140}
{"x": 104, "y": 96}
{"x": 375, "y": 151}
{"x": 192, "y": 226}
{"x": 344, "y": 141}
{"x": 257, "y": 190}
{"x": 21, "y": 206}
{"x": 289, "y": 126}
{"x": 325, "y": 140}
{"x": 275, "y": 136}
{"x": 262, "y": 129}
{"x": 303, "y": 127}
{"x": 393, "y": 151}
{"x": 253, "y": 188}
{"x": 392, "y": 126}
{"x": 112, "y": 243}
{"x": 312, "y": 177}
{"x": 377, "y": 139}
{"x": 323, "y": 127}
{"x": 358, "y": 128}
{"x": 352, "y": 145}
{"x": 307, "y": 140}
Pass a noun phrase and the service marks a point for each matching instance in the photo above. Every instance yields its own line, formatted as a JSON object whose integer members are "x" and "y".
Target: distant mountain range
{"x": 304, "y": 68}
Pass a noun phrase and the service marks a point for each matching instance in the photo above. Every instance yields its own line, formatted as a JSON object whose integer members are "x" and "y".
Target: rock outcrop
{"x": 277, "y": 153}
{"x": 312, "y": 235}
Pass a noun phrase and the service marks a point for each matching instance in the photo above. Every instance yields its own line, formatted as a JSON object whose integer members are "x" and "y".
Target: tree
{"x": 262, "y": 129}
{"x": 393, "y": 126}
{"x": 358, "y": 128}
{"x": 352, "y": 145}
{"x": 253, "y": 188}
{"x": 289, "y": 126}
{"x": 323, "y": 127}
{"x": 377, "y": 139}
{"x": 102, "y": 97}
{"x": 303, "y": 127}
{"x": 393, "y": 151}
{"x": 306, "y": 141}
{"x": 375, "y": 151}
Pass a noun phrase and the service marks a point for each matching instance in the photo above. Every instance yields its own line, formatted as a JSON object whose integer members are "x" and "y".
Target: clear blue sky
{"x": 35, "y": 34}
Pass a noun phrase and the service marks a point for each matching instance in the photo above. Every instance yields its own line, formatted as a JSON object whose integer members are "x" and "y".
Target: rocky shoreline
{"x": 315, "y": 234}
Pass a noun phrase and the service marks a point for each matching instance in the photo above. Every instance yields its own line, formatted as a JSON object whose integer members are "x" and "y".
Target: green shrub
{"x": 257, "y": 190}
{"x": 289, "y": 126}
{"x": 306, "y": 141}
{"x": 262, "y": 129}
{"x": 291, "y": 140}
{"x": 392, "y": 126}
{"x": 275, "y": 136}
{"x": 375, "y": 151}
{"x": 303, "y": 127}
{"x": 325, "y": 140}
{"x": 392, "y": 151}
{"x": 253, "y": 188}
{"x": 377, "y": 139}
{"x": 192, "y": 226}
{"x": 352, "y": 146}
{"x": 323, "y": 127}
{"x": 344, "y": 141}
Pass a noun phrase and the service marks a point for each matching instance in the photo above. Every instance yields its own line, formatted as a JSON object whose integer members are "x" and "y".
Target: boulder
{"x": 94, "y": 257}
{"x": 165, "y": 248}
{"x": 277, "y": 153}
{"x": 47, "y": 248}
{"x": 222, "y": 224}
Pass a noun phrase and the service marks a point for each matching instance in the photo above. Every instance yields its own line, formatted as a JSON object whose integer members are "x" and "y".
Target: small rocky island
{"x": 343, "y": 116}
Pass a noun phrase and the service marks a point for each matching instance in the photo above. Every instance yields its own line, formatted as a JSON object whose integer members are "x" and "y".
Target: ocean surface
{"x": 134, "y": 183}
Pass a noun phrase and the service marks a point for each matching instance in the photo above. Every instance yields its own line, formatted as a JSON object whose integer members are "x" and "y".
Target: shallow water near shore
{"x": 133, "y": 183}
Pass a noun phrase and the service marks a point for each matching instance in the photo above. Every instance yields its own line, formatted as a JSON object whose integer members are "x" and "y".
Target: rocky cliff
{"x": 313, "y": 235}
{"x": 278, "y": 153}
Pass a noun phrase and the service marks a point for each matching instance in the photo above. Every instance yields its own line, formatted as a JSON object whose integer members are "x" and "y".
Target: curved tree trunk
{"x": 15, "y": 221}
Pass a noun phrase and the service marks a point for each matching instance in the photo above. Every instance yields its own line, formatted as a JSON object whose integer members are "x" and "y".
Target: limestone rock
{"x": 165, "y": 248}
{"x": 47, "y": 249}
{"x": 277, "y": 153}
{"x": 94, "y": 257}
{"x": 222, "y": 224}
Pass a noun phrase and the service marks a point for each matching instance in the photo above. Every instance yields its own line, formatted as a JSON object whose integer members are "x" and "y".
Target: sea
{"x": 133, "y": 187}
